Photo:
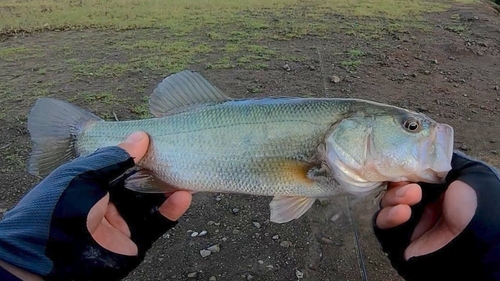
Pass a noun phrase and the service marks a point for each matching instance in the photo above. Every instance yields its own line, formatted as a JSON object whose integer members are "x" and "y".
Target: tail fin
{"x": 54, "y": 126}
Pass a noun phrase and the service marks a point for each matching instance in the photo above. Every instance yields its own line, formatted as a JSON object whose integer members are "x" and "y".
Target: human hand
{"x": 80, "y": 223}
{"x": 437, "y": 232}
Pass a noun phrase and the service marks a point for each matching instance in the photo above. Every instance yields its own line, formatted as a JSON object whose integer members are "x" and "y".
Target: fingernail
{"x": 402, "y": 191}
{"x": 135, "y": 137}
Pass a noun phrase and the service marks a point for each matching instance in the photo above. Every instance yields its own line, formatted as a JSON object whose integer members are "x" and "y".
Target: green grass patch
{"x": 13, "y": 53}
{"x": 183, "y": 17}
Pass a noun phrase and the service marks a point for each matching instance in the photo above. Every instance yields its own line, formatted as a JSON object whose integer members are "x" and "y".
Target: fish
{"x": 294, "y": 149}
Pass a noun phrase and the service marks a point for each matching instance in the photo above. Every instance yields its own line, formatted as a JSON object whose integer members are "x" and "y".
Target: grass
{"x": 190, "y": 15}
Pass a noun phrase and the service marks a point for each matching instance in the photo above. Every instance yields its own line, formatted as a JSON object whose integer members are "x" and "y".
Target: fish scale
{"x": 241, "y": 144}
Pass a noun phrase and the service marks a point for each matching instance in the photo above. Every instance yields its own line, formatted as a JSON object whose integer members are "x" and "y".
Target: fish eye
{"x": 412, "y": 125}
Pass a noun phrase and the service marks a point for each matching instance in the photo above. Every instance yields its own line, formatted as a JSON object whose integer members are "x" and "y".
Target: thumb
{"x": 136, "y": 145}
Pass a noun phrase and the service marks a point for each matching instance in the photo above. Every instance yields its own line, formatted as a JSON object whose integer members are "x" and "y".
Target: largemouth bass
{"x": 294, "y": 149}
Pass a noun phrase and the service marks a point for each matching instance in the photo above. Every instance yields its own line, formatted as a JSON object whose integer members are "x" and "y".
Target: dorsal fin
{"x": 182, "y": 90}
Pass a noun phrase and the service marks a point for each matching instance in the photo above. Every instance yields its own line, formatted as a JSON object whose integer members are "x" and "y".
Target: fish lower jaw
{"x": 352, "y": 183}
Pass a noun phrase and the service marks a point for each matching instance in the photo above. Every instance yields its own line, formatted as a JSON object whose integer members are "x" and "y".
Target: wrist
{"x": 19, "y": 272}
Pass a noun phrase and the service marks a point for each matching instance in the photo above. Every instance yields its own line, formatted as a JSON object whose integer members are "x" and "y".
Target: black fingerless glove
{"x": 472, "y": 255}
{"x": 46, "y": 233}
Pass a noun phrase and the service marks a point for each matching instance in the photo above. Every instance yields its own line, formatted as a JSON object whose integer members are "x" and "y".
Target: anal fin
{"x": 287, "y": 208}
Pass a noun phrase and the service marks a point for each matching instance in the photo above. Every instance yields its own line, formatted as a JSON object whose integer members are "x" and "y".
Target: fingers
{"x": 402, "y": 193}
{"x": 96, "y": 214}
{"x": 136, "y": 145}
{"x": 176, "y": 205}
{"x": 396, "y": 204}
{"x": 459, "y": 206}
{"x": 390, "y": 217}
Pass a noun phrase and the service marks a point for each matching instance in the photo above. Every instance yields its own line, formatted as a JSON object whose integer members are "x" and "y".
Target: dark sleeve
{"x": 472, "y": 255}
{"x": 7, "y": 276}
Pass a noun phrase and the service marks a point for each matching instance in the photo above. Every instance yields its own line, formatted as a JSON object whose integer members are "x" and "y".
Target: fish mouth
{"x": 442, "y": 152}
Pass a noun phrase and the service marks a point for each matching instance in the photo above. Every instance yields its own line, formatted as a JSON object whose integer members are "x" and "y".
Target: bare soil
{"x": 450, "y": 72}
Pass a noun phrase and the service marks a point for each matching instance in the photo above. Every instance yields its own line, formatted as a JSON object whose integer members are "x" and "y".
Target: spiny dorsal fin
{"x": 182, "y": 90}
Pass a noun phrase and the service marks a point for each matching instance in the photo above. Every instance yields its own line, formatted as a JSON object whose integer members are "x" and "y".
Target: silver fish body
{"x": 295, "y": 149}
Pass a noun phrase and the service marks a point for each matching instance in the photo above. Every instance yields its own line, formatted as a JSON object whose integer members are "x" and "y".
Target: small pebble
{"x": 427, "y": 72}
{"x": 194, "y": 234}
{"x": 224, "y": 239}
{"x": 236, "y": 231}
{"x": 497, "y": 88}
{"x": 256, "y": 224}
{"x": 205, "y": 253}
{"x": 270, "y": 266}
{"x": 326, "y": 240}
{"x": 285, "y": 244}
{"x": 212, "y": 278}
{"x": 286, "y": 67}
{"x": 312, "y": 67}
{"x": 235, "y": 210}
{"x": 299, "y": 274}
{"x": 250, "y": 277}
{"x": 276, "y": 237}
{"x": 335, "y": 79}
{"x": 261, "y": 262}
{"x": 214, "y": 248}
{"x": 192, "y": 274}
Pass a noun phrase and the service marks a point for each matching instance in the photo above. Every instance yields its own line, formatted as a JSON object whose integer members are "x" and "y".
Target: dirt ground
{"x": 450, "y": 72}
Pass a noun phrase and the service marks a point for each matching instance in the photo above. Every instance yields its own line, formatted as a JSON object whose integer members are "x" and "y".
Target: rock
{"x": 463, "y": 147}
{"x": 414, "y": 75}
{"x": 194, "y": 234}
{"x": 261, "y": 262}
{"x": 236, "y": 231}
{"x": 325, "y": 240}
{"x": 192, "y": 274}
{"x": 202, "y": 233}
{"x": 434, "y": 61}
{"x": 286, "y": 67}
{"x": 285, "y": 244}
{"x": 205, "y": 253}
{"x": 276, "y": 237}
{"x": 335, "y": 79}
{"x": 494, "y": 152}
{"x": 497, "y": 88}
{"x": 218, "y": 198}
{"x": 299, "y": 274}
{"x": 270, "y": 266}
{"x": 214, "y": 248}
{"x": 212, "y": 278}
{"x": 256, "y": 224}
{"x": 250, "y": 277}
{"x": 224, "y": 239}
{"x": 427, "y": 72}
{"x": 451, "y": 58}
{"x": 235, "y": 210}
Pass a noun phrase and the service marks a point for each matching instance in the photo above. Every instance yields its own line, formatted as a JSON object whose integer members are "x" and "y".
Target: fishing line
{"x": 361, "y": 260}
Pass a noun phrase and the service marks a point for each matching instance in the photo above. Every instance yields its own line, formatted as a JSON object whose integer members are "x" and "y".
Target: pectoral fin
{"x": 145, "y": 181}
{"x": 287, "y": 208}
